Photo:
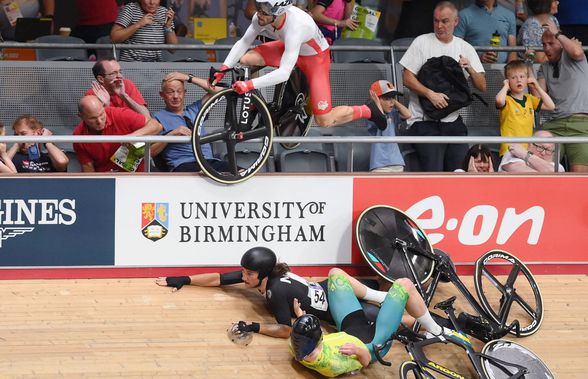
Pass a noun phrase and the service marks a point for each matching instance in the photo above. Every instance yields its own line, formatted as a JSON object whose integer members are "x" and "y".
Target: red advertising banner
{"x": 537, "y": 218}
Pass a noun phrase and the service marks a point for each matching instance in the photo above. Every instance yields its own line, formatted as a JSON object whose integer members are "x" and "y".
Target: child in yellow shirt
{"x": 517, "y": 107}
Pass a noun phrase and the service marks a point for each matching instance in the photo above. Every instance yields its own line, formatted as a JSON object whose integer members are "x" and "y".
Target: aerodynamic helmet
{"x": 260, "y": 259}
{"x": 273, "y": 7}
{"x": 306, "y": 335}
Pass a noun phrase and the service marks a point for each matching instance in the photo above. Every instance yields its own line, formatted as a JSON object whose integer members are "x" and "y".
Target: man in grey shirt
{"x": 565, "y": 78}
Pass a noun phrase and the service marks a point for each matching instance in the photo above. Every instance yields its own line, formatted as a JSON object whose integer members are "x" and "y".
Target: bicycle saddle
{"x": 446, "y": 304}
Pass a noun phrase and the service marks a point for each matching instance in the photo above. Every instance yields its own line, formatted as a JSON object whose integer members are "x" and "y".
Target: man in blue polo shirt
{"x": 479, "y": 21}
{"x": 177, "y": 120}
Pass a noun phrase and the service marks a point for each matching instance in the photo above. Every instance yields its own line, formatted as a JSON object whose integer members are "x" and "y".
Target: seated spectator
{"x": 537, "y": 158}
{"x": 386, "y": 157}
{"x": 477, "y": 159}
{"x": 479, "y": 21}
{"x": 6, "y": 165}
{"x": 114, "y": 90}
{"x": 532, "y": 30}
{"x": 34, "y": 157}
{"x": 143, "y": 22}
{"x": 13, "y": 9}
{"x": 95, "y": 19}
{"x": 178, "y": 120}
{"x": 439, "y": 156}
{"x": 98, "y": 120}
{"x": 565, "y": 78}
{"x": 517, "y": 108}
{"x": 332, "y": 16}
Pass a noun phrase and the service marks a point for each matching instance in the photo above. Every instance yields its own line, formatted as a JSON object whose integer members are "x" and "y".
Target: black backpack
{"x": 444, "y": 74}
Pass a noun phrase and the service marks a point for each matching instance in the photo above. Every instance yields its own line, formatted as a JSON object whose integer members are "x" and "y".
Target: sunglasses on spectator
{"x": 543, "y": 149}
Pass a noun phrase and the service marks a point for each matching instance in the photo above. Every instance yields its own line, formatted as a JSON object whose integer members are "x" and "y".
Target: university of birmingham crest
{"x": 154, "y": 220}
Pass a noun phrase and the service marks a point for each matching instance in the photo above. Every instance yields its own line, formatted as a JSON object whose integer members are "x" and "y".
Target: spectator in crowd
{"x": 34, "y": 157}
{"x": 95, "y": 19}
{"x": 532, "y": 30}
{"x": 386, "y": 157}
{"x": 6, "y": 165}
{"x": 13, "y": 9}
{"x": 479, "y": 21}
{"x": 537, "y": 158}
{"x": 260, "y": 270}
{"x": 297, "y": 43}
{"x": 353, "y": 347}
{"x": 565, "y": 78}
{"x": 517, "y": 107}
{"x": 114, "y": 90}
{"x": 332, "y": 16}
{"x": 477, "y": 159}
{"x": 439, "y": 157}
{"x": 573, "y": 18}
{"x": 178, "y": 120}
{"x": 144, "y": 22}
{"x": 100, "y": 120}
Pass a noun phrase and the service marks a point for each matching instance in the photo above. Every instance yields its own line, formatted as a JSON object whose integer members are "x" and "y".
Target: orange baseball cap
{"x": 383, "y": 87}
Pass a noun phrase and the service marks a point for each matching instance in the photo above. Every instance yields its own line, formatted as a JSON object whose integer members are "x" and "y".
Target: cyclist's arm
{"x": 241, "y": 46}
{"x": 287, "y": 63}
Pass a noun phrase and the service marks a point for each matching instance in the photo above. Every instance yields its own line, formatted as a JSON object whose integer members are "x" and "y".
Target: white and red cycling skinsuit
{"x": 298, "y": 42}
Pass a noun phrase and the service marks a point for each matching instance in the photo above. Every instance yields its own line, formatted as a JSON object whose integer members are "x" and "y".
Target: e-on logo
{"x": 154, "y": 220}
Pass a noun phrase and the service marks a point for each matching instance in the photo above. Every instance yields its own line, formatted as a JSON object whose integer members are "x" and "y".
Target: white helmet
{"x": 273, "y": 7}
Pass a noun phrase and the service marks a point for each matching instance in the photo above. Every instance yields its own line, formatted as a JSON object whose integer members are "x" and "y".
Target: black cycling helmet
{"x": 306, "y": 335}
{"x": 260, "y": 259}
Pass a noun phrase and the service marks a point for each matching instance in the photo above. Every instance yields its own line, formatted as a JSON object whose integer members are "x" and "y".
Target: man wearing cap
{"x": 386, "y": 157}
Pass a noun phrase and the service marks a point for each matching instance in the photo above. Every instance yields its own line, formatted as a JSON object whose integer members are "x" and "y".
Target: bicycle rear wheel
{"x": 377, "y": 230}
{"x": 517, "y": 355}
{"x": 411, "y": 370}
{"x": 508, "y": 291}
{"x": 243, "y": 119}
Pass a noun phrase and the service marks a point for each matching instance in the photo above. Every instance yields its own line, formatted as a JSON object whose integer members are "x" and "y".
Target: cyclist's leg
{"x": 342, "y": 299}
{"x": 389, "y": 317}
{"x": 266, "y": 54}
{"x": 416, "y": 307}
{"x": 317, "y": 68}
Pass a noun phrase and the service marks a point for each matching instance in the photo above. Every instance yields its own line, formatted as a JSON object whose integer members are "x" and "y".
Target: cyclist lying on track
{"x": 353, "y": 347}
{"x": 297, "y": 42}
{"x": 273, "y": 279}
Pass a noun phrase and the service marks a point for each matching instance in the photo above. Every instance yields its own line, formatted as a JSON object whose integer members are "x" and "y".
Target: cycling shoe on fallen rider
{"x": 377, "y": 116}
{"x": 447, "y": 334}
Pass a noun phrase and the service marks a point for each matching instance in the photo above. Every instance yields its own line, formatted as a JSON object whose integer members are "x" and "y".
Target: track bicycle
{"x": 248, "y": 119}
{"x": 498, "y": 359}
{"x": 509, "y": 298}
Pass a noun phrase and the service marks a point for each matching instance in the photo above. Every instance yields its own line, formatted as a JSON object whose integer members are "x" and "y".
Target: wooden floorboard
{"x": 108, "y": 328}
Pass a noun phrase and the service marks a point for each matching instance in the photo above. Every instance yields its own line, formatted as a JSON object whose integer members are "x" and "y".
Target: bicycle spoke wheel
{"x": 410, "y": 370}
{"x": 246, "y": 120}
{"x": 517, "y": 356}
{"x": 508, "y": 291}
{"x": 377, "y": 231}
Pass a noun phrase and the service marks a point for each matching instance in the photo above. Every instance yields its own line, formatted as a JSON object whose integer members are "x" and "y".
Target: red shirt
{"x": 119, "y": 122}
{"x": 94, "y": 12}
{"x": 118, "y": 102}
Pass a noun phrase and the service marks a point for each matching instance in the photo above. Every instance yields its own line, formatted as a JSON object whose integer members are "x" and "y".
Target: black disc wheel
{"x": 226, "y": 122}
{"x": 381, "y": 233}
{"x": 508, "y": 291}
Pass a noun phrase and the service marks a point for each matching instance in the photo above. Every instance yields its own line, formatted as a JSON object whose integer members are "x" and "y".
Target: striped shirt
{"x": 154, "y": 33}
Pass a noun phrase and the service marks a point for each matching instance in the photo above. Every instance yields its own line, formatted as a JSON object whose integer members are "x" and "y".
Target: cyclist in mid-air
{"x": 297, "y": 42}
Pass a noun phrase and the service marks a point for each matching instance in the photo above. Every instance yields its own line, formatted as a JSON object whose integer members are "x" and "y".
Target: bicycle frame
{"x": 415, "y": 350}
{"x": 443, "y": 268}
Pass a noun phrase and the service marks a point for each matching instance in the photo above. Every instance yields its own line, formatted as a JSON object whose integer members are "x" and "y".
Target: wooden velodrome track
{"x": 133, "y": 328}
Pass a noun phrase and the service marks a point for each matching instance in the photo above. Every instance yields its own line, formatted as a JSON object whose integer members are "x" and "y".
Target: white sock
{"x": 375, "y": 296}
{"x": 429, "y": 324}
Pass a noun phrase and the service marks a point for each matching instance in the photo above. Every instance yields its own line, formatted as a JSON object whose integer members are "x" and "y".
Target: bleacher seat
{"x": 186, "y": 55}
{"x": 359, "y": 152}
{"x": 365, "y": 56}
{"x": 305, "y": 161}
{"x": 105, "y": 53}
{"x": 55, "y": 54}
{"x": 222, "y": 54}
{"x": 401, "y": 42}
{"x": 246, "y": 153}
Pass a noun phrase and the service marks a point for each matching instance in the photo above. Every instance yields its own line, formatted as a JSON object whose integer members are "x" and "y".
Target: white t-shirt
{"x": 428, "y": 46}
{"x": 301, "y": 37}
{"x": 509, "y": 158}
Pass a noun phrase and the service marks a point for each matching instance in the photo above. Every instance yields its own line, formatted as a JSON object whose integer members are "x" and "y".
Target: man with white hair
{"x": 538, "y": 157}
